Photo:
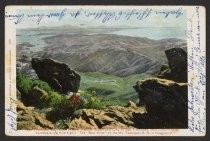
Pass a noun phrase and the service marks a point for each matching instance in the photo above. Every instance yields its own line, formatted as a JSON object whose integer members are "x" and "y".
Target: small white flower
{"x": 69, "y": 94}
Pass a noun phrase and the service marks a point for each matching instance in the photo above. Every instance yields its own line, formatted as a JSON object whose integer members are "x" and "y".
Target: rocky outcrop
{"x": 165, "y": 97}
{"x": 58, "y": 75}
{"x": 166, "y": 103}
{"x": 177, "y": 65}
{"x": 110, "y": 118}
{"x": 28, "y": 119}
{"x": 36, "y": 97}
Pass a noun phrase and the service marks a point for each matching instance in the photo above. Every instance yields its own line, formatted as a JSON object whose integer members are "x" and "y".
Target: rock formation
{"x": 177, "y": 65}
{"x": 113, "y": 117}
{"x": 28, "y": 119}
{"x": 166, "y": 103}
{"x": 166, "y": 97}
{"x": 58, "y": 75}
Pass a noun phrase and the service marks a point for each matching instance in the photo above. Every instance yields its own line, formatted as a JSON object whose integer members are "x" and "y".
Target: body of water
{"x": 154, "y": 33}
{"x": 35, "y": 37}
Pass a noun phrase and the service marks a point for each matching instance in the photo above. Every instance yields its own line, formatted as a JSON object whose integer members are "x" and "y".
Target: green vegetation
{"x": 97, "y": 92}
{"x": 61, "y": 107}
{"x": 109, "y": 86}
{"x": 33, "y": 92}
{"x": 25, "y": 84}
{"x": 39, "y": 94}
{"x": 92, "y": 101}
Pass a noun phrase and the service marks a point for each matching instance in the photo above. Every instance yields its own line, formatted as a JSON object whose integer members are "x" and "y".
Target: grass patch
{"x": 92, "y": 101}
{"x": 109, "y": 86}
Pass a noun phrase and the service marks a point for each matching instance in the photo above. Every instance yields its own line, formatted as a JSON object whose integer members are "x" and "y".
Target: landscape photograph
{"x": 71, "y": 77}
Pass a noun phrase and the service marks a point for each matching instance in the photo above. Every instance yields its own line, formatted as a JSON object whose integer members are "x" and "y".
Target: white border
{"x": 10, "y": 79}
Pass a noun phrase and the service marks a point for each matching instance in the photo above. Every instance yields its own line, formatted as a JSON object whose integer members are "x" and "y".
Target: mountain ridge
{"x": 107, "y": 53}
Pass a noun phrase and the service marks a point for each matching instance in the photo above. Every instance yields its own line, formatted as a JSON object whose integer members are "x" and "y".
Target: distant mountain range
{"x": 68, "y": 26}
{"x": 106, "y": 53}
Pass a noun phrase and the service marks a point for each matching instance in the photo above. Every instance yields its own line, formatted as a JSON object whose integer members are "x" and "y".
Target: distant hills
{"x": 105, "y": 53}
{"x": 68, "y": 26}
{"x": 108, "y": 53}
{"x": 95, "y": 56}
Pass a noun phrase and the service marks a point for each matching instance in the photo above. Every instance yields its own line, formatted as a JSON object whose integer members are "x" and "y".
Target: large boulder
{"x": 166, "y": 103}
{"x": 58, "y": 75}
{"x": 112, "y": 117}
{"x": 177, "y": 65}
{"x": 28, "y": 119}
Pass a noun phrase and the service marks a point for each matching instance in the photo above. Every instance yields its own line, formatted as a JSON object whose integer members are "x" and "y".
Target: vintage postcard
{"x": 105, "y": 71}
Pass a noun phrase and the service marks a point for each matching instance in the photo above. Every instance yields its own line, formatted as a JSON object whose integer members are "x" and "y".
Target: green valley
{"x": 109, "y": 86}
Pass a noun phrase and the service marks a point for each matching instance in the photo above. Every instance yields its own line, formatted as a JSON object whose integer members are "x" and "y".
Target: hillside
{"x": 64, "y": 99}
{"x": 110, "y": 86}
{"x": 106, "y": 53}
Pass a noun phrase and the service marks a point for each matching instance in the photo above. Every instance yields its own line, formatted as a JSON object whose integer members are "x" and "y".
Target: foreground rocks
{"x": 165, "y": 97}
{"x": 177, "y": 65}
{"x": 113, "y": 117}
{"x": 58, "y": 75}
{"x": 28, "y": 119}
{"x": 166, "y": 103}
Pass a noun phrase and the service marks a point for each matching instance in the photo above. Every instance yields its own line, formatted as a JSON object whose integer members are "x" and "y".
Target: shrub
{"x": 39, "y": 94}
{"x": 25, "y": 84}
{"x": 76, "y": 101}
{"x": 92, "y": 101}
{"x": 36, "y": 97}
{"x": 62, "y": 106}
{"x": 43, "y": 85}
{"x": 33, "y": 92}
